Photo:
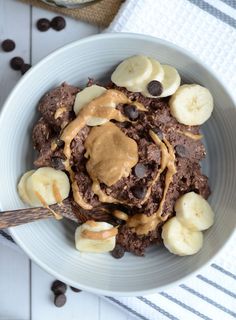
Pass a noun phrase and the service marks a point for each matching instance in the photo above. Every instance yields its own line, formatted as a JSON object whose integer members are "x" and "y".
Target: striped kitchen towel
{"x": 207, "y": 29}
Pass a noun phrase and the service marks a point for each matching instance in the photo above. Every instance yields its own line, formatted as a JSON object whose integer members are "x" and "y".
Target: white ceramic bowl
{"x": 51, "y": 243}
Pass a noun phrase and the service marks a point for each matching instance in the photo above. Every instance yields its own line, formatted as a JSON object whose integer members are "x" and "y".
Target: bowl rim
{"x": 13, "y": 231}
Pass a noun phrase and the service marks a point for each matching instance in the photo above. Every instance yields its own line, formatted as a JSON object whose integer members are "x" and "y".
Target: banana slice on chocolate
{"x": 132, "y": 72}
{"x": 44, "y": 186}
{"x": 96, "y": 237}
{"x": 157, "y": 74}
{"x": 194, "y": 212}
{"x": 22, "y": 186}
{"x": 180, "y": 240}
{"x": 191, "y": 104}
{"x": 85, "y": 96}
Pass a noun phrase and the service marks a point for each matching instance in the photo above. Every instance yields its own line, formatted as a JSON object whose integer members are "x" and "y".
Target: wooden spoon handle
{"x": 17, "y": 217}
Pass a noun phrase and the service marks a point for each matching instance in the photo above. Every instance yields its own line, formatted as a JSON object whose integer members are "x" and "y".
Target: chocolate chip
{"x": 8, "y": 45}
{"x": 57, "y": 163}
{"x": 155, "y": 88}
{"x": 60, "y": 143}
{"x": 58, "y": 23}
{"x": 139, "y": 191}
{"x": 25, "y": 67}
{"x": 58, "y": 287}
{"x": 16, "y": 63}
{"x": 118, "y": 252}
{"x": 43, "y": 24}
{"x": 75, "y": 289}
{"x": 181, "y": 151}
{"x": 60, "y": 300}
{"x": 131, "y": 112}
{"x": 140, "y": 170}
{"x": 158, "y": 132}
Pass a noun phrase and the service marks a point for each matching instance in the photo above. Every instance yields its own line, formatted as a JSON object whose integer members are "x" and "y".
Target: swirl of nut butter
{"x": 121, "y": 167}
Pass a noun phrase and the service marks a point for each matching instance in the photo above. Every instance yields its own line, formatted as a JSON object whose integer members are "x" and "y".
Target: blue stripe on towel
{"x": 183, "y": 305}
{"x": 217, "y": 286}
{"x": 154, "y": 306}
{"x": 226, "y": 272}
{"x": 127, "y": 308}
{"x": 212, "y": 302}
{"x": 231, "y": 3}
{"x": 214, "y": 12}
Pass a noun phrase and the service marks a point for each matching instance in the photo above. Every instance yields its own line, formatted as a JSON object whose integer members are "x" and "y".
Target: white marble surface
{"x": 24, "y": 287}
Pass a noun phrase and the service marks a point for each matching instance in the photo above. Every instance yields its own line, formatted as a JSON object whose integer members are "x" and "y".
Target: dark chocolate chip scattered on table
{"x": 140, "y": 170}
{"x": 43, "y": 24}
{"x": 139, "y": 191}
{"x": 58, "y": 23}
{"x": 58, "y": 287}
{"x": 75, "y": 289}
{"x": 8, "y": 45}
{"x": 118, "y": 252}
{"x": 25, "y": 67}
{"x": 155, "y": 88}
{"x": 16, "y": 63}
{"x": 60, "y": 300}
{"x": 131, "y": 112}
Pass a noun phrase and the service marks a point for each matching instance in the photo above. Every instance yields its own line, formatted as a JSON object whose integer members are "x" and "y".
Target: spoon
{"x": 67, "y": 210}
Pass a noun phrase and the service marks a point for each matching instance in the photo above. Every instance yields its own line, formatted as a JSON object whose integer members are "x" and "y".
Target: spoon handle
{"x": 16, "y": 217}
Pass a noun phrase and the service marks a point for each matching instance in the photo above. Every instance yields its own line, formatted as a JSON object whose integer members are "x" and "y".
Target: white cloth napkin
{"x": 207, "y": 29}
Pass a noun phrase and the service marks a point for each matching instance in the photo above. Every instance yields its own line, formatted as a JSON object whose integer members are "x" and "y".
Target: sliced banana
{"x": 171, "y": 81}
{"x": 132, "y": 71}
{"x": 87, "y": 244}
{"x": 180, "y": 240}
{"x": 45, "y": 186}
{"x": 86, "y": 96}
{"x": 21, "y": 186}
{"x": 157, "y": 74}
{"x": 193, "y": 211}
{"x": 191, "y": 104}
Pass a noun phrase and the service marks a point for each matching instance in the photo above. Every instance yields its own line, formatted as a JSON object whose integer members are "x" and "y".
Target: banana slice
{"x": 21, "y": 186}
{"x": 157, "y": 74}
{"x": 132, "y": 71}
{"x": 191, "y": 104}
{"x": 87, "y": 95}
{"x": 194, "y": 212}
{"x": 45, "y": 186}
{"x": 171, "y": 81}
{"x": 93, "y": 241}
{"x": 180, "y": 240}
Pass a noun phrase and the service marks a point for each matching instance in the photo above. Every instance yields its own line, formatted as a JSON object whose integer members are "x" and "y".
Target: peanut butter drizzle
{"x": 111, "y": 154}
{"x": 139, "y": 105}
{"x": 76, "y": 193}
{"x": 164, "y": 161}
{"x": 120, "y": 215}
{"x": 96, "y": 108}
{"x": 191, "y": 135}
{"x": 44, "y": 203}
{"x": 100, "y": 235}
{"x": 59, "y": 112}
{"x": 102, "y": 196}
{"x": 92, "y": 223}
{"x": 141, "y": 223}
{"x": 53, "y": 146}
{"x": 56, "y": 192}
